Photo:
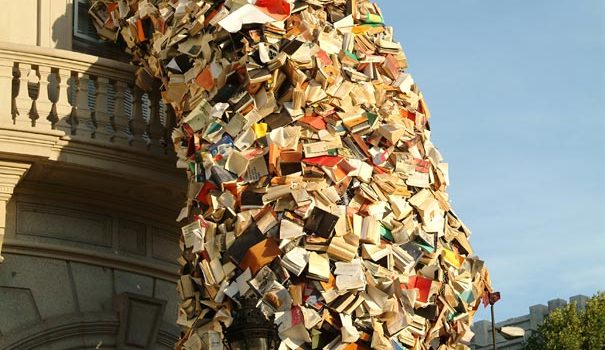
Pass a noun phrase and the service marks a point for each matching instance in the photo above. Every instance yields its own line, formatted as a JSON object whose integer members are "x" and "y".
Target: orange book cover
{"x": 339, "y": 173}
{"x": 317, "y": 123}
{"x": 140, "y": 31}
{"x": 330, "y": 284}
{"x": 205, "y": 79}
{"x": 407, "y": 114}
{"x": 273, "y": 157}
{"x": 356, "y": 346}
{"x": 260, "y": 255}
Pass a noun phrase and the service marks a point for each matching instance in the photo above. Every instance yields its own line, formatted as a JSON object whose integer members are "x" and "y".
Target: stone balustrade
{"x": 80, "y": 98}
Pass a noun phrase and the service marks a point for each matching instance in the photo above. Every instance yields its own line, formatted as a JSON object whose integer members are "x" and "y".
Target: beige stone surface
{"x": 46, "y": 23}
{"x": 19, "y": 21}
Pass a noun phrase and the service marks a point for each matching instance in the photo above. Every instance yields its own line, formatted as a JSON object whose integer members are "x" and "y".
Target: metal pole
{"x": 493, "y": 327}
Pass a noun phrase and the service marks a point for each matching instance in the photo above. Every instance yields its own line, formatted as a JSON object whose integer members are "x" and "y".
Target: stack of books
{"x": 313, "y": 181}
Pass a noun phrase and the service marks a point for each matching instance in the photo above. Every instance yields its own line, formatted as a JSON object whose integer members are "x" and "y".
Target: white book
{"x": 296, "y": 260}
{"x": 290, "y": 229}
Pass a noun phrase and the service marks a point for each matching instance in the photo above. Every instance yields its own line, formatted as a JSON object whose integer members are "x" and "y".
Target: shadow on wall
{"x": 61, "y": 27}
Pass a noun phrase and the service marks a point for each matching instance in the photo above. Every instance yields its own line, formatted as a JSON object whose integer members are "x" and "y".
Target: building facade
{"x": 530, "y": 322}
{"x": 88, "y": 190}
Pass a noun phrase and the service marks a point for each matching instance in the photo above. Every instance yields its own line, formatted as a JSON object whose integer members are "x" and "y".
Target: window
{"x": 85, "y": 37}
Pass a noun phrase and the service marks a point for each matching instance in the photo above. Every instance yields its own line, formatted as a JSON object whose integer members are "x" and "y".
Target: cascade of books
{"x": 314, "y": 187}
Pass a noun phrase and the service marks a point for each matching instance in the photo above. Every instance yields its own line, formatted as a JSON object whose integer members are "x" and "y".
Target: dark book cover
{"x": 243, "y": 243}
{"x": 321, "y": 223}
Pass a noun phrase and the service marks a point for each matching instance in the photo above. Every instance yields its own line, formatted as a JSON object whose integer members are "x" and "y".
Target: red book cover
{"x": 329, "y": 161}
{"x": 423, "y": 285}
{"x": 202, "y": 195}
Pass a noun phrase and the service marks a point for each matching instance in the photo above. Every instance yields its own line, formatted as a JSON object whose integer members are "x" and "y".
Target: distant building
{"x": 529, "y": 322}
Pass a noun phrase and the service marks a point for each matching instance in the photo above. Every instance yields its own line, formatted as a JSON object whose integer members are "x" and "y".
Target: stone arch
{"x": 82, "y": 331}
{"x": 73, "y": 331}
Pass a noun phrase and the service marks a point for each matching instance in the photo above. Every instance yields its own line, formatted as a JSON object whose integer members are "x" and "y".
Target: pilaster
{"x": 11, "y": 174}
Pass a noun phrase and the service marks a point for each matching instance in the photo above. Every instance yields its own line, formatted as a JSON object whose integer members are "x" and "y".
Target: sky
{"x": 516, "y": 90}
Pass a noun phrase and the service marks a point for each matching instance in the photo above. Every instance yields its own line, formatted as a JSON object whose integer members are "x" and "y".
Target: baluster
{"x": 169, "y": 124}
{"x": 23, "y": 102}
{"x": 146, "y": 112}
{"x": 164, "y": 117}
{"x": 137, "y": 122}
{"x": 120, "y": 119}
{"x": 72, "y": 96}
{"x": 155, "y": 129}
{"x": 101, "y": 115}
{"x": 6, "y": 84}
{"x": 44, "y": 105}
{"x": 62, "y": 106}
{"x": 129, "y": 113}
{"x": 91, "y": 124}
{"x": 82, "y": 115}
{"x": 15, "y": 91}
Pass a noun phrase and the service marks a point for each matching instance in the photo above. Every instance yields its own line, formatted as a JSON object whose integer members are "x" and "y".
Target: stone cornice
{"x": 67, "y": 60}
{"x": 145, "y": 267}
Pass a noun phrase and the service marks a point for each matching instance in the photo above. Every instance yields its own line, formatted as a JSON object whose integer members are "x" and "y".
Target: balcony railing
{"x": 80, "y": 98}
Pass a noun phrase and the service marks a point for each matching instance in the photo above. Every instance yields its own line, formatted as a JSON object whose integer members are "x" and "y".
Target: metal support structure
{"x": 250, "y": 329}
{"x": 493, "y": 326}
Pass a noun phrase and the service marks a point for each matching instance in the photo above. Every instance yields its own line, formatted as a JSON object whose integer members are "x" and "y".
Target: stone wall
{"x": 44, "y": 23}
{"x": 81, "y": 270}
{"x": 88, "y": 241}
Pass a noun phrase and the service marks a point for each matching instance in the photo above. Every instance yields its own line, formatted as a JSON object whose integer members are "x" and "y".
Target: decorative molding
{"x": 64, "y": 224}
{"x": 146, "y": 267}
{"x": 85, "y": 328}
{"x": 18, "y": 140}
{"x": 57, "y": 329}
{"x": 68, "y": 59}
{"x": 11, "y": 174}
{"x": 92, "y": 153}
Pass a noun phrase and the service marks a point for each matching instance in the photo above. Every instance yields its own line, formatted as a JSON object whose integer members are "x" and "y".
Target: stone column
{"x": 556, "y": 304}
{"x": 10, "y": 175}
{"x": 580, "y": 301}
{"x": 537, "y": 313}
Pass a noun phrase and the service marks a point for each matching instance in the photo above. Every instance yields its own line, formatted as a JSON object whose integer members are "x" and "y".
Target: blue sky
{"x": 516, "y": 90}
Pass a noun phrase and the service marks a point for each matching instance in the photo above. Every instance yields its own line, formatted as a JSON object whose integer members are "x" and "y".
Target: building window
{"x": 85, "y": 38}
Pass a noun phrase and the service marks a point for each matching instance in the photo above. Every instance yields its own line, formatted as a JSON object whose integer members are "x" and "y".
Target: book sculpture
{"x": 314, "y": 186}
